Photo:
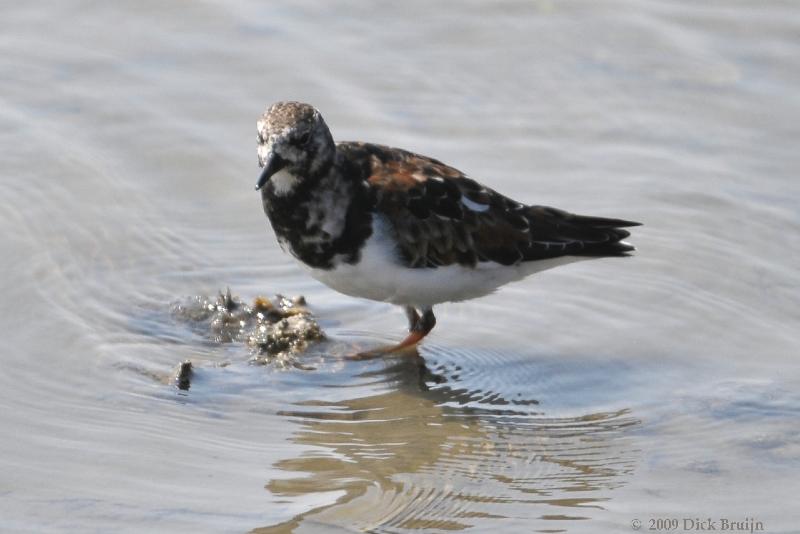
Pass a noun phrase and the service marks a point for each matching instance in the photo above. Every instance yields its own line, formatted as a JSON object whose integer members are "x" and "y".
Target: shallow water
{"x": 659, "y": 386}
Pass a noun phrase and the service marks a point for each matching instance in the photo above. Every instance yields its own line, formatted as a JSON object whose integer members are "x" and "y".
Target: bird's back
{"x": 441, "y": 217}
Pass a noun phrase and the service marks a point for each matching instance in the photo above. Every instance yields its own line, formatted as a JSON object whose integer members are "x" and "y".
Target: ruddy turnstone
{"x": 389, "y": 225}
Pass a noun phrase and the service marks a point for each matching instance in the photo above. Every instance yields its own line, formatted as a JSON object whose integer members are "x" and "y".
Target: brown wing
{"x": 441, "y": 217}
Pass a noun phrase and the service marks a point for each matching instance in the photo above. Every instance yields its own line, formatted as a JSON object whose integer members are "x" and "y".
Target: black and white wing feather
{"x": 440, "y": 217}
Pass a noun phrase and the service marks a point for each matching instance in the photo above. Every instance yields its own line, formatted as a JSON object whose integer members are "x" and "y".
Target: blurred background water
{"x": 659, "y": 386}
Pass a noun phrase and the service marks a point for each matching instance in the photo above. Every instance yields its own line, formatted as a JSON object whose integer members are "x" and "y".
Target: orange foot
{"x": 419, "y": 327}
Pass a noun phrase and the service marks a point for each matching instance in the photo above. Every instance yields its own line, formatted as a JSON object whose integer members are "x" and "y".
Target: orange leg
{"x": 410, "y": 340}
{"x": 418, "y": 327}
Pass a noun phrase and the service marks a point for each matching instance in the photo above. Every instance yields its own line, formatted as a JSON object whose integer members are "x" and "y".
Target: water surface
{"x": 663, "y": 385}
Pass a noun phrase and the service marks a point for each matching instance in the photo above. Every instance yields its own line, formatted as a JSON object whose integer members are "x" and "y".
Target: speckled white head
{"x": 294, "y": 145}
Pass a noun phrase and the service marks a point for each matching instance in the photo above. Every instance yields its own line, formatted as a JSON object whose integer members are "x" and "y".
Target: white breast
{"x": 380, "y": 276}
{"x": 284, "y": 182}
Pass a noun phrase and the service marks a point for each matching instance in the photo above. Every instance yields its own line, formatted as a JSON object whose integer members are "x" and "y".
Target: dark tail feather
{"x": 618, "y": 248}
{"x": 613, "y": 244}
{"x": 603, "y": 222}
{"x": 577, "y": 235}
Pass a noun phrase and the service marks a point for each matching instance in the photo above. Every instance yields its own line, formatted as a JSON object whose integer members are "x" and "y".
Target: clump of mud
{"x": 274, "y": 330}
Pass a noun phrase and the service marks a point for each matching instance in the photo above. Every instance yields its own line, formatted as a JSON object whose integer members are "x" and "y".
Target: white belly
{"x": 380, "y": 276}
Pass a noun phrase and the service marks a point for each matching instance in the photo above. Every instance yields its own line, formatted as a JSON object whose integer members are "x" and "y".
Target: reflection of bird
{"x": 389, "y": 225}
{"x": 360, "y": 462}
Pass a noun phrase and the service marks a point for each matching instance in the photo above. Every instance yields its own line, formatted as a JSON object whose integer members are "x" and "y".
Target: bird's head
{"x": 294, "y": 144}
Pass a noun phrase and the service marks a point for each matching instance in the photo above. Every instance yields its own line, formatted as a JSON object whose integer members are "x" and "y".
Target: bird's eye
{"x": 304, "y": 139}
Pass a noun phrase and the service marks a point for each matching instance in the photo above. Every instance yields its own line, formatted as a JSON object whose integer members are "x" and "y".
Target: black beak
{"x": 274, "y": 164}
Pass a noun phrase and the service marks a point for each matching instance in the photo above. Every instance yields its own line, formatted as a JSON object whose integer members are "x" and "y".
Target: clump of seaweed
{"x": 274, "y": 330}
